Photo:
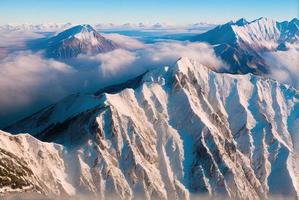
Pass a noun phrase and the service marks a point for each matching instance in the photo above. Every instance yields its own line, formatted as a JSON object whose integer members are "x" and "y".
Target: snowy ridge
{"x": 267, "y": 34}
{"x": 259, "y": 34}
{"x": 185, "y": 130}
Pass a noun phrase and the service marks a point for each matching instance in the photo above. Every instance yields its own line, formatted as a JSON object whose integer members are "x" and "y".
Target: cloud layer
{"x": 31, "y": 81}
{"x": 16, "y": 38}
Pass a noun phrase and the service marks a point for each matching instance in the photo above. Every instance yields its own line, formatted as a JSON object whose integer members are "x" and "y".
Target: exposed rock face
{"x": 185, "y": 130}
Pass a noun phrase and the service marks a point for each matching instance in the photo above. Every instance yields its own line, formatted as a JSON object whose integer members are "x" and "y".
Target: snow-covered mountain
{"x": 240, "y": 43}
{"x": 180, "y": 131}
{"x": 81, "y": 39}
{"x": 260, "y": 34}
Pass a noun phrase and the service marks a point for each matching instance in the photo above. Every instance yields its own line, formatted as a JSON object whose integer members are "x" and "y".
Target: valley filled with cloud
{"x": 31, "y": 81}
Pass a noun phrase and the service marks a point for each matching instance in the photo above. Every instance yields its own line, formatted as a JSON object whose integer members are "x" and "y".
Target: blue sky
{"x": 148, "y": 11}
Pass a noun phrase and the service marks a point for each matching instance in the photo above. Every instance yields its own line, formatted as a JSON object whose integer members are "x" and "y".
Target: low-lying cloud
{"x": 17, "y": 38}
{"x": 125, "y": 42}
{"x": 284, "y": 66}
{"x": 169, "y": 52}
{"x": 30, "y": 81}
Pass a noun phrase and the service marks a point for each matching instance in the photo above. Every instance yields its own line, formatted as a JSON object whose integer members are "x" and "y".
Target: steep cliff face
{"x": 184, "y": 131}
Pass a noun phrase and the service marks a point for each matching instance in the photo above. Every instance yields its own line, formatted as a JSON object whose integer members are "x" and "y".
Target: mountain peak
{"x": 295, "y": 21}
{"x": 241, "y": 22}
{"x": 85, "y": 27}
{"x": 77, "y": 40}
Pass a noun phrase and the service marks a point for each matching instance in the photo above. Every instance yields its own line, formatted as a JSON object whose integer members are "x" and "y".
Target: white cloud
{"x": 284, "y": 66}
{"x": 122, "y": 63}
{"x": 110, "y": 63}
{"x": 27, "y": 80}
{"x": 17, "y": 38}
{"x": 116, "y": 61}
{"x": 21, "y": 73}
{"x": 164, "y": 52}
{"x": 125, "y": 41}
{"x": 169, "y": 52}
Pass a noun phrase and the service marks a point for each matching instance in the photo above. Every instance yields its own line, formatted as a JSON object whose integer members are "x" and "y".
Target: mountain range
{"x": 50, "y": 27}
{"x": 174, "y": 132}
{"x": 56, "y": 27}
{"x": 181, "y": 131}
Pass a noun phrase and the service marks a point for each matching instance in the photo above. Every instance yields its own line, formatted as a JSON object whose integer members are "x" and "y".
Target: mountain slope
{"x": 185, "y": 130}
{"x": 241, "y": 43}
{"x": 27, "y": 164}
{"x": 81, "y": 39}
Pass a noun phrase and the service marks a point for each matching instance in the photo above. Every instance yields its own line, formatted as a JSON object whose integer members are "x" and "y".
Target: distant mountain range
{"x": 55, "y": 27}
{"x": 36, "y": 27}
{"x": 240, "y": 43}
